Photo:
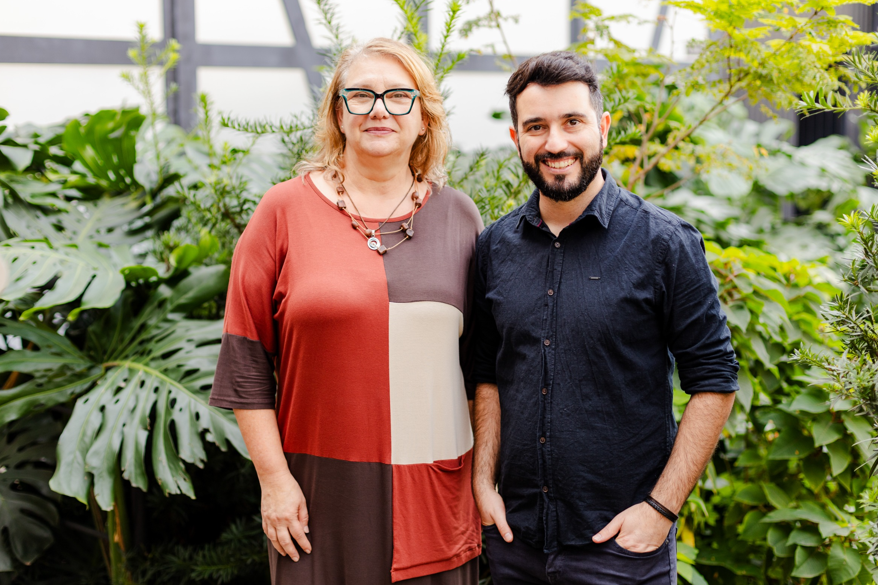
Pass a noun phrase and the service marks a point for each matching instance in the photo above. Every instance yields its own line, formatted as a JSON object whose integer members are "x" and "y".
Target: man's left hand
{"x": 640, "y": 529}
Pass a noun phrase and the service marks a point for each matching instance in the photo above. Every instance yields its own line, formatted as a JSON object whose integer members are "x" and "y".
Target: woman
{"x": 350, "y": 284}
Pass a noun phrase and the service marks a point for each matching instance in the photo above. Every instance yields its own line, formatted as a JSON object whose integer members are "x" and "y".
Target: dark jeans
{"x": 517, "y": 563}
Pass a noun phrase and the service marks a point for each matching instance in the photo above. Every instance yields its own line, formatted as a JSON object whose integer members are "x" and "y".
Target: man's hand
{"x": 640, "y": 529}
{"x": 492, "y": 510}
{"x": 285, "y": 514}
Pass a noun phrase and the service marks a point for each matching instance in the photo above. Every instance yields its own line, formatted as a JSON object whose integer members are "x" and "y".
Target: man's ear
{"x": 513, "y": 135}
{"x": 606, "y": 120}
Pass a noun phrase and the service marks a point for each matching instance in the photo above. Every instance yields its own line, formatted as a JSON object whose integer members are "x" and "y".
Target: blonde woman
{"x": 347, "y": 310}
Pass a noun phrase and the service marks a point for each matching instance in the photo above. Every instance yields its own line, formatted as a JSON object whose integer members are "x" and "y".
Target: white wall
{"x": 81, "y": 19}
{"x": 47, "y": 94}
{"x": 233, "y": 22}
{"x": 50, "y": 93}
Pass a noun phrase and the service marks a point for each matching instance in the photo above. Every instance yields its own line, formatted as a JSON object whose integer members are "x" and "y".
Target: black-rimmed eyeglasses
{"x": 360, "y": 102}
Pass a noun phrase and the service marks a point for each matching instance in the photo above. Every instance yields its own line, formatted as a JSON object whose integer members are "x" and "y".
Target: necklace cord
{"x": 371, "y": 234}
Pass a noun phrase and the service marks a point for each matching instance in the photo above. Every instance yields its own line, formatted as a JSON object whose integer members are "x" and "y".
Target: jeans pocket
{"x": 640, "y": 555}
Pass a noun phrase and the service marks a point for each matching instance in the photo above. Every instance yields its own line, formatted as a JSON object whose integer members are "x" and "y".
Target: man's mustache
{"x": 546, "y": 156}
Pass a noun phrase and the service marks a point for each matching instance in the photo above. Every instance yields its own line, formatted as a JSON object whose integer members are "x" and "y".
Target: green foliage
{"x": 494, "y": 179}
{"x": 762, "y": 52}
{"x": 118, "y": 334}
{"x": 240, "y": 547}
{"x": 153, "y": 64}
{"x": 779, "y": 499}
{"x": 851, "y": 370}
{"x": 770, "y": 194}
{"x": 493, "y": 20}
{"x": 27, "y": 510}
{"x": 104, "y": 146}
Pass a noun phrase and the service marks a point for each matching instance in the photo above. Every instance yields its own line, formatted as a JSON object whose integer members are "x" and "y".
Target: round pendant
{"x": 373, "y": 243}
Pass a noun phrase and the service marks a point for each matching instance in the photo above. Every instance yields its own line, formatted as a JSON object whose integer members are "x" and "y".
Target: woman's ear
{"x": 339, "y": 116}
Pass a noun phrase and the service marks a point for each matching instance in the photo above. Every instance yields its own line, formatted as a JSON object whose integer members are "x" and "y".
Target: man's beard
{"x": 558, "y": 188}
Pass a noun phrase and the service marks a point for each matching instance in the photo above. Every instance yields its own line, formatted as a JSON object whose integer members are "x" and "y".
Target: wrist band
{"x": 655, "y": 505}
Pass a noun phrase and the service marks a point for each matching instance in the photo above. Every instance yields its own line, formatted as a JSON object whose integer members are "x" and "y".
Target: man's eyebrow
{"x": 566, "y": 116}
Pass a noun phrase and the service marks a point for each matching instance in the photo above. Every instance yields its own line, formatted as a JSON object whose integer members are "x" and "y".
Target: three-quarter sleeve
{"x": 487, "y": 338}
{"x": 694, "y": 323}
{"x": 245, "y": 374}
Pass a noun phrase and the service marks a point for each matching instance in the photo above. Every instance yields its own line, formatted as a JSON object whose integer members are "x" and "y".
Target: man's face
{"x": 560, "y": 138}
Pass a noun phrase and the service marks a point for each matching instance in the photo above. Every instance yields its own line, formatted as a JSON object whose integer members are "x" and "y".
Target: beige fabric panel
{"x": 429, "y": 418}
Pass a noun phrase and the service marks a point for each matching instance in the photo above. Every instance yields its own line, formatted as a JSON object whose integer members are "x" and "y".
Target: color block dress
{"x": 370, "y": 395}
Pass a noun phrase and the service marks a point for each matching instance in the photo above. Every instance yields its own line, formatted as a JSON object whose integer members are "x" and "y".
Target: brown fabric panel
{"x": 437, "y": 264}
{"x": 466, "y": 574}
{"x": 434, "y": 264}
{"x": 350, "y": 507}
{"x": 244, "y": 375}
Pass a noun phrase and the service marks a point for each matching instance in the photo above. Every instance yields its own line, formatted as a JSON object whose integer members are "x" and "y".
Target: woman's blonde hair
{"x": 429, "y": 150}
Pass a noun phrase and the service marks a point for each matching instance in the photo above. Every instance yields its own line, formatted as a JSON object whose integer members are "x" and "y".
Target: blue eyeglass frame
{"x": 378, "y": 96}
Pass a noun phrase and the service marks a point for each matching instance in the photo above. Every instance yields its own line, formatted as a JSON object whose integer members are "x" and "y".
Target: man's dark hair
{"x": 550, "y": 69}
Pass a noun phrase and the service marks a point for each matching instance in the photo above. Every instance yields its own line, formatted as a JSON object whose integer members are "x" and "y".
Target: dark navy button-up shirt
{"x": 580, "y": 332}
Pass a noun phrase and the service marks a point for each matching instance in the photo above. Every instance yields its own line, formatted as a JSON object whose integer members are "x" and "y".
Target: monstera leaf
{"x": 83, "y": 249}
{"x": 106, "y": 146}
{"x": 141, "y": 386}
{"x": 82, "y": 270}
{"x": 27, "y": 514}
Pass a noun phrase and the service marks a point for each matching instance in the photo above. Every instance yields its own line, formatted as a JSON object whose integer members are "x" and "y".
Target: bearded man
{"x": 586, "y": 297}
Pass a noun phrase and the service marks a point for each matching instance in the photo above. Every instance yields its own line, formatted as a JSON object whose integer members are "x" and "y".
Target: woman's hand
{"x": 284, "y": 514}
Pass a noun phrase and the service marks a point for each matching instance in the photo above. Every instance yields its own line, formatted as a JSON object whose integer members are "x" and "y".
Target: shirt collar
{"x": 601, "y": 206}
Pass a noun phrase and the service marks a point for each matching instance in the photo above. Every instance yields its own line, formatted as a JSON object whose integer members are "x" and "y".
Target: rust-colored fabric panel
{"x": 258, "y": 256}
{"x": 244, "y": 375}
{"x": 435, "y": 523}
{"x": 331, "y": 314}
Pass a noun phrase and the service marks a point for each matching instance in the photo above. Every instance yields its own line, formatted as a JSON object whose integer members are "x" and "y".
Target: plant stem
{"x": 100, "y": 525}
{"x": 117, "y": 529}
{"x": 13, "y": 377}
{"x": 496, "y": 17}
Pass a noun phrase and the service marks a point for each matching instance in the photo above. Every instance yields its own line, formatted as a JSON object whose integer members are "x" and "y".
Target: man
{"x": 585, "y": 297}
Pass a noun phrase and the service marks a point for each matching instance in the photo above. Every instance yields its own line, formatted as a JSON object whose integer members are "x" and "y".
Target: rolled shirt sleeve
{"x": 694, "y": 322}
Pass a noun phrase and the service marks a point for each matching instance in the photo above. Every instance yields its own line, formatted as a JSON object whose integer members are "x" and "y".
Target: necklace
{"x": 371, "y": 235}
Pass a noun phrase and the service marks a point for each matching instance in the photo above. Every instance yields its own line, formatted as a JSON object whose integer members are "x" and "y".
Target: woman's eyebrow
{"x": 371, "y": 85}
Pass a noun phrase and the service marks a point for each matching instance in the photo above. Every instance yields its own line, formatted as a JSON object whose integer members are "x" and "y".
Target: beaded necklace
{"x": 371, "y": 235}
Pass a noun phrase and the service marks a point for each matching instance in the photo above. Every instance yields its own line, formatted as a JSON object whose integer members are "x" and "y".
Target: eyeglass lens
{"x": 362, "y": 101}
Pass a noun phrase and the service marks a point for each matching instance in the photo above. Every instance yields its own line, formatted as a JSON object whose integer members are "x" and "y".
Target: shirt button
{"x": 544, "y": 391}
{"x": 545, "y": 489}
{"x": 551, "y": 292}
{"x": 546, "y": 343}
{"x": 542, "y": 439}
{"x": 557, "y": 244}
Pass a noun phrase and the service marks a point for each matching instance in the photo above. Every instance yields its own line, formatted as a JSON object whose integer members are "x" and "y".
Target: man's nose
{"x": 556, "y": 141}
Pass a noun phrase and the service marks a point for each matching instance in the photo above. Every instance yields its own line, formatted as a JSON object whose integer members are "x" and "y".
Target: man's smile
{"x": 561, "y": 163}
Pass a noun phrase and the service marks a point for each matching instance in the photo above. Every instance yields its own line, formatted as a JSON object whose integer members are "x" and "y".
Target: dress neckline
{"x": 308, "y": 181}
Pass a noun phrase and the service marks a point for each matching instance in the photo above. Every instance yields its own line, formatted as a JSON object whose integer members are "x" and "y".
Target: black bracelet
{"x": 660, "y": 509}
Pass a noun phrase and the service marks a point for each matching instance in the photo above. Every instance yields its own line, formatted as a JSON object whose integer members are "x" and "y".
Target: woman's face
{"x": 378, "y": 133}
